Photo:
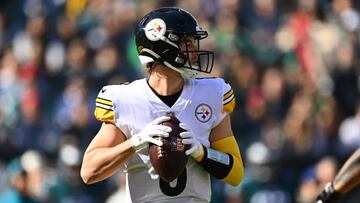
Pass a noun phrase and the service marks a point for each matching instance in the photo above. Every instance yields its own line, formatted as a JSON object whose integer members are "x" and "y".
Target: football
{"x": 169, "y": 160}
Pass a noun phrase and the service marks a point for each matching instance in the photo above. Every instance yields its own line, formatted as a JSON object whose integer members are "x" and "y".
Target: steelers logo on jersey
{"x": 203, "y": 113}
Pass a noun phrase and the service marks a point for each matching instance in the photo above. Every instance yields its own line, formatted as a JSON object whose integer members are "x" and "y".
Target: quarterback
{"x": 167, "y": 41}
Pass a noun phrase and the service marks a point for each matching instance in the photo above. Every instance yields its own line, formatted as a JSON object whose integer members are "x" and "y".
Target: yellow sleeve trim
{"x": 228, "y": 94}
{"x": 229, "y": 145}
{"x": 104, "y": 101}
{"x": 229, "y": 107}
{"x": 102, "y": 114}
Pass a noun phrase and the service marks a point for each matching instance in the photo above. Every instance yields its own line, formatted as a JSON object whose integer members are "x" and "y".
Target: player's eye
{"x": 190, "y": 44}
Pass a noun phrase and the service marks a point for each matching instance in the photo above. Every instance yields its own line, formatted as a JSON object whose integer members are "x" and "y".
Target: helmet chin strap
{"x": 184, "y": 72}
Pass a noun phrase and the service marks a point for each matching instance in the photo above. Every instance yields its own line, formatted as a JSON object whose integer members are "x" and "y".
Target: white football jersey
{"x": 202, "y": 105}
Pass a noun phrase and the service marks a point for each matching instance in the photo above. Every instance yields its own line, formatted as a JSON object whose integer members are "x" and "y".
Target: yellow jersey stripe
{"x": 104, "y": 101}
{"x": 230, "y": 105}
{"x": 102, "y": 114}
{"x": 228, "y": 94}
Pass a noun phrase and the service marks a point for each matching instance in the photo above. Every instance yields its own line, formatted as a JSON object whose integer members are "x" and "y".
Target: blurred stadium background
{"x": 293, "y": 65}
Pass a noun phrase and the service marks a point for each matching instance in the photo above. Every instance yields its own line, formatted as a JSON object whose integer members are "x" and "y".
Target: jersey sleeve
{"x": 228, "y": 98}
{"x": 104, "y": 107}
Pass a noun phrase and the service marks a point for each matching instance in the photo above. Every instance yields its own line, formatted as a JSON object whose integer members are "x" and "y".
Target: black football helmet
{"x": 158, "y": 36}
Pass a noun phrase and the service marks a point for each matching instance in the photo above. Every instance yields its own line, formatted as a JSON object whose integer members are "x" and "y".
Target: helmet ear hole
{"x": 173, "y": 37}
{"x": 180, "y": 60}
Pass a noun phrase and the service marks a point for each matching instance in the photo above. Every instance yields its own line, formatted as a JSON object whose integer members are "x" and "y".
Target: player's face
{"x": 189, "y": 45}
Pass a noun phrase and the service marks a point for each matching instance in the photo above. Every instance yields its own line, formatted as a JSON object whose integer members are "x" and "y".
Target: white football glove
{"x": 153, "y": 173}
{"x": 196, "y": 148}
{"x": 151, "y": 170}
{"x": 140, "y": 140}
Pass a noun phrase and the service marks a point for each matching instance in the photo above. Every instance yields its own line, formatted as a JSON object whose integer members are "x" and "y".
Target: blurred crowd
{"x": 293, "y": 65}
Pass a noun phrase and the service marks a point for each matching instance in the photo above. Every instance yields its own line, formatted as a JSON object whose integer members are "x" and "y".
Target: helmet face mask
{"x": 205, "y": 59}
{"x": 159, "y": 36}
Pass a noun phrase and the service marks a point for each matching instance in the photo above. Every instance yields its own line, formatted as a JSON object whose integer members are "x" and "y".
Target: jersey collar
{"x": 159, "y": 107}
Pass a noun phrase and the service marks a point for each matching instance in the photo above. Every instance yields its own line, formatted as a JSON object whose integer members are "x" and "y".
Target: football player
{"x": 168, "y": 44}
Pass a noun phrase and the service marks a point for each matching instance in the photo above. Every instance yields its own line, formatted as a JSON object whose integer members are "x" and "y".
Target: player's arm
{"x": 349, "y": 175}
{"x": 106, "y": 153}
{"x": 110, "y": 149}
{"x": 222, "y": 139}
{"x": 222, "y": 159}
{"x": 347, "y": 178}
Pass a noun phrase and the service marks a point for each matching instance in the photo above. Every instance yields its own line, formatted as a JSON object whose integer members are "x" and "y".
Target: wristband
{"x": 216, "y": 163}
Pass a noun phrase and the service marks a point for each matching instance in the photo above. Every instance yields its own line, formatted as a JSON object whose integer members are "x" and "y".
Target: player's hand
{"x": 196, "y": 148}
{"x": 140, "y": 140}
{"x": 328, "y": 194}
{"x": 153, "y": 173}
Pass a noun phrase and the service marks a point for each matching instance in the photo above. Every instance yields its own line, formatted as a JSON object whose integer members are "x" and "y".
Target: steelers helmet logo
{"x": 203, "y": 113}
{"x": 155, "y": 29}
